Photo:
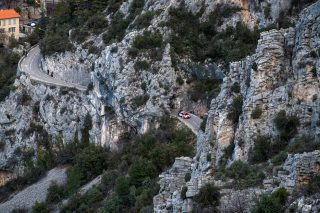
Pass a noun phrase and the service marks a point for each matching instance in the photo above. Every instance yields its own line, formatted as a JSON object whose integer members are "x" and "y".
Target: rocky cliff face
{"x": 117, "y": 82}
{"x": 35, "y": 114}
{"x": 284, "y": 78}
{"x": 282, "y": 74}
{"x": 127, "y": 100}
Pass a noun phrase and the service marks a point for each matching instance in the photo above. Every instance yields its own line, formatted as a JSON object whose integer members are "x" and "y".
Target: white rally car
{"x": 184, "y": 115}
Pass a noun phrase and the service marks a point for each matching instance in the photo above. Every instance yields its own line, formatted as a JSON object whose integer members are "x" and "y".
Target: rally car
{"x": 184, "y": 115}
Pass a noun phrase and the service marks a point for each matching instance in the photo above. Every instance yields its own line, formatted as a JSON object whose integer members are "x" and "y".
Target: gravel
{"x": 37, "y": 192}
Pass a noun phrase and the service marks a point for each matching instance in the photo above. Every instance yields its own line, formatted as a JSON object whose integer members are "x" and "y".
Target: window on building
{"x": 3, "y": 22}
{"x": 14, "y": 21}
{"x": 9, "y": 22}
{"x": 12, "y": 29}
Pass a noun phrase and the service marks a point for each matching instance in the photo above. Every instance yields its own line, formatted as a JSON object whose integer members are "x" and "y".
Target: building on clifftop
{"x": 9, "y": 23}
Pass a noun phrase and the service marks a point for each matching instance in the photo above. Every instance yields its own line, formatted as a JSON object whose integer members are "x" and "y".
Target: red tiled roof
{"x": 5, "y": 14}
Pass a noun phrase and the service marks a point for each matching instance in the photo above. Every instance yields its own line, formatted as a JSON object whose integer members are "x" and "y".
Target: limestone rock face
{"x": 55, "y": 111}
{"x": 118, "y": 84}
{"x": 71, "y": 67}
{"x": 279, "y": 76}
{"x": 171, "y": 182}
{"x": 298, "y": 170}
{"x": 308, "y": 204}
{"x": 239, "y": 200}
{"x": 126, "y": 100}
{"x": 282, "y": 80}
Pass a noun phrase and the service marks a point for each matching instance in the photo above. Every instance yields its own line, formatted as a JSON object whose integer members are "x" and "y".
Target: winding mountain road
{"x": 30, "y": 65}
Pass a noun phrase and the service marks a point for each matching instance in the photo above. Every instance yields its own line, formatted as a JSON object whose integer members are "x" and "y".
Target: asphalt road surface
{"x": 193, "y": 123}
{"x": 31, "y": 66}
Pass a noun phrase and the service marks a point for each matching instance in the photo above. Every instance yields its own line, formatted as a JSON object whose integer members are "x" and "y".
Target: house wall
{"x": 7, "y": 25}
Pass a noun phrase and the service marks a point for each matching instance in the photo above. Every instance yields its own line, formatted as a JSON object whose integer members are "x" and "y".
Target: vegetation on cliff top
{"x": 8, "y": 64}
{"x": 130, "y": 176}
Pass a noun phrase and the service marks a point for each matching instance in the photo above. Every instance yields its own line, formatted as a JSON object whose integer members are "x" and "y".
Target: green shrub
{"x": 148, "y": 40}
{"x": 55, "y": 44}
{"x": 79, "y": 36}
{"x": 273, "y": 203}
{"x": 92, "y": 161}
{"x": 40, "y": 208}
{"x": 200, "y": 40}
{"x": 314, "y": 72}
{"x": 248, "y": 81}
{"x": 143, "y": 86}
{"x": 142, "y": 65}
{"x": 55, "y": 193}
{"x": 236, "y": 109}
{"x": 244, "y": 175}
{"x": 204, "y": 90}
{"x": 208, "y": 157}
{"x": 279, "y": 158}
{"x": 303, "y": 144}
{"x": 256, "y": 113}
{"x": 74, "y": 177}
{"x": 314, "y": 97}
{"x": 301, "y": 64}
{"x": 187, "y": 177}
{"x": 235, "y": 87}
{"x": 227, "y": 153}
{"x": 93, "y": 50}
{"x": 97, "y": 23}
{"x": 140, "y": 170}
{"x": 109, "y": 178}
{"x": 267, "y": 204}
{"x": 267, "y": 11}
{"x": 179, "y": 80}
{"x": 9, "y": 132}
{"x": 140, "y": 100}
{"x": 2, "y": 146}
{"x": 122, "y": 100}
{"x": 261, "y": 149}
{"x": 13, "y": 43}
{"x": 114, "y": 49}
{"x": 116, "y": 30}
{"x": 93, "y": 195}
{"x": 254, "y": 66}
{"x": 13, "y": 59}
{"x": 203, "y": 124}
{"x": 144, "y": 20}
{"x": 313, "y": 54}
{"x": 133, "y": 52}
{"x": 19, "y": 210}
{"x": 90, "y": 87}
{"x": 183, "y": 192}
{"x": 286, "y": 125}
{"x": 281, "y": 195}
{"x": 122, "y": 186}
{"x": 208, "y": 195}
{"x": 314, "y": 185}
